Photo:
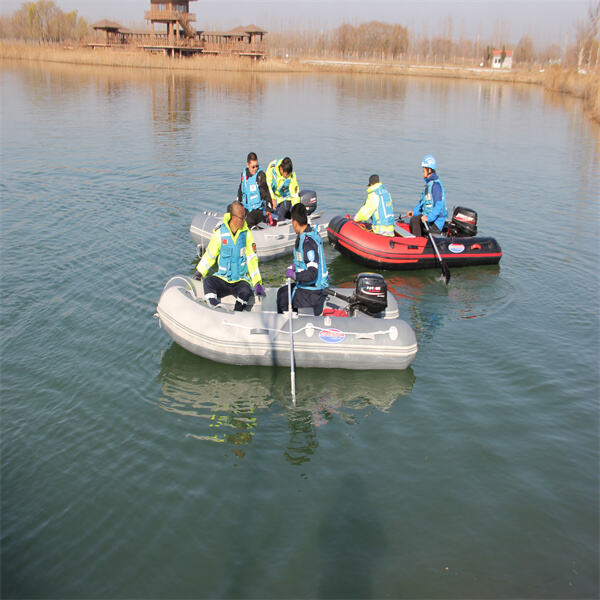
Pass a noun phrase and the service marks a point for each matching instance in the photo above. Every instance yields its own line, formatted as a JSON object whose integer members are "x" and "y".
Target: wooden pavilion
{"x": 175, "y": 35}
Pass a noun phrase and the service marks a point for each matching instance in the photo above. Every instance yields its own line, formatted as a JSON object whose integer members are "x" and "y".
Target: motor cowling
{"x": 309, "y": 199}
{"x": 464, "y": 222}
{"x": 370, "y": 293}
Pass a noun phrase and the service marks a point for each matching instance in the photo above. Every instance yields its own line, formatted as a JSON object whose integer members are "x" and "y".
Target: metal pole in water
{"x": 292, "y": 372}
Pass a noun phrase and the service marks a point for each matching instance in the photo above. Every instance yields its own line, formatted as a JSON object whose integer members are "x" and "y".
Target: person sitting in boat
{"x": 378, "y": 207}
{"x": 283, "y": 186}
{"x": 308, "y": 271}
{"x": 432, "y": 205}
{"x": 253, "y": 192}
{"x": 233, "y": 244}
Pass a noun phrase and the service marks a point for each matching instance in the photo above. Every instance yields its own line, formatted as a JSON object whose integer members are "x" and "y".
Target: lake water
{"x": 134, "y": 469}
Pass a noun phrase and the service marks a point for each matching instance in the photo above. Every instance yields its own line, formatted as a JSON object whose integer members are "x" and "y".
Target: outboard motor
{"x": 370, "y": 293}
{"x": 309, "y": 199}
{"x": 464, "y": 222}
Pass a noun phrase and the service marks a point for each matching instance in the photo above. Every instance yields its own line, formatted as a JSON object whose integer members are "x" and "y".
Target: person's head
{"x": 429, "y": 165}
{"x": 252, "y": 162}
{"x": 286, "y": 167}
{"x": 238, "y": 216}
{"x": 373, "y": 180}
{"x": 299, "y": 217}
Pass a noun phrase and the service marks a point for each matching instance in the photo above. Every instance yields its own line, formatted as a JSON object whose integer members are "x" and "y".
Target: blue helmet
{"x": 429, "y": 162}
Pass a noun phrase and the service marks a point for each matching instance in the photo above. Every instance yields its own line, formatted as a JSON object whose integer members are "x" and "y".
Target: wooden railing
{"x": 234, "y": 47}
{"x": 168, "y": 15}
{"x": 164, "y": 40}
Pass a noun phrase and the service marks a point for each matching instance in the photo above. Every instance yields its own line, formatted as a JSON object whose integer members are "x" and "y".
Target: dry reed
{"x": 582, "y": 85}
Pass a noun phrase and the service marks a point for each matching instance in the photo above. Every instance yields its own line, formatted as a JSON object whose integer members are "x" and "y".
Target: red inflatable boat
{"x": 358, "y": 242}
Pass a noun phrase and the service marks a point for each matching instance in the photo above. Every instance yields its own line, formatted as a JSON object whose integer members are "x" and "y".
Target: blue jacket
{"x": 251, "y": 199}
{"x": 309, "y": 260}
{"x": 433, "y": 201}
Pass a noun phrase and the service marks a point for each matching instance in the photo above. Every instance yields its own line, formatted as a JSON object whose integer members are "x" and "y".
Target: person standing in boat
{"x": 432, "y": 205}
{"x": 253, "y": 192}
{"x": 233, "y": 244}
{"x": 283, "y": 187}
{"x": 309, "y": 270}
{"x": 378, "y": 207}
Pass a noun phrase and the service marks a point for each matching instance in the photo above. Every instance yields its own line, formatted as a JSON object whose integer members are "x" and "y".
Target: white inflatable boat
{"x": 260, "y": 336}
{"x": 272, "y": 241}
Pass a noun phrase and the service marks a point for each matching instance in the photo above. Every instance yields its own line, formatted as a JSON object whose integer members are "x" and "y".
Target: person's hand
{"x": 409, "y": 213}
{"x": 197, "y": 275}
{"x": 259, "y": 290}
{"x": 290, "y": 272}
{"x": 424, "y": 218}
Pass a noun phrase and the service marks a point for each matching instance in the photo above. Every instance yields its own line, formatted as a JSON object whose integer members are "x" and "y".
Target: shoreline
{"x": 554, "y": 79}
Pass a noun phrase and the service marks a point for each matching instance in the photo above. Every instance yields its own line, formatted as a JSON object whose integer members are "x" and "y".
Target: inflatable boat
{"x": 261, "y": 336}
{"x": 458, "y": 247}
{"x": 272, "y": 241}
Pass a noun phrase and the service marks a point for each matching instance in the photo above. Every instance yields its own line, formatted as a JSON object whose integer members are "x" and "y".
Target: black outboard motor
{"x": 309, "y": 199}
{"x": 370, "y": 293}
{"x": 464, "y": 222}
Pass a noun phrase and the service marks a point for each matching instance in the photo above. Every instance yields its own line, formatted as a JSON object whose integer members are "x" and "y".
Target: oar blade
{"x": 446, "y": 272}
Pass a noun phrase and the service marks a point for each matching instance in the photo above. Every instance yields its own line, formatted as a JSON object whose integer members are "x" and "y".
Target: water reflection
{"x": 370, "y": 88}
{"x": 427, "y": 302}
{"x": 230, "y": 404}
{"x": 178, "y": 87}
{"x": 171, "y": 102}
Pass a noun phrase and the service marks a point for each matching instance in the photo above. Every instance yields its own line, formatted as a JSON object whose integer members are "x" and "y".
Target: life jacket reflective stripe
{"x": 283, "y": 189}
{"x": 384, "y": 215}
{"x": 322, "y": 280}
{"x": 233, "y": 264}
{"x": 250, "y": 193}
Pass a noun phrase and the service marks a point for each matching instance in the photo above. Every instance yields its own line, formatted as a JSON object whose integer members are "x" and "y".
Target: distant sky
{"x": 546, "y": 21}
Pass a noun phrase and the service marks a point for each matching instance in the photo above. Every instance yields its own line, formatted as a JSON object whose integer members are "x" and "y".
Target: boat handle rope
{"x": 311, "y": 326}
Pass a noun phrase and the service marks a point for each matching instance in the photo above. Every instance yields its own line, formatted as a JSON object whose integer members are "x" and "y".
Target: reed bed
{"x": 134, "y": 58}
{"x": 555, "y": 79}
{"x": 582, "y": 85}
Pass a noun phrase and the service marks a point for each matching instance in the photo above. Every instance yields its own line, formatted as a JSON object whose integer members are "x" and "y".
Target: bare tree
{"x": 587, "y": 37}
{"x": 524, "y": 50}
{"x": 43, "y": 21}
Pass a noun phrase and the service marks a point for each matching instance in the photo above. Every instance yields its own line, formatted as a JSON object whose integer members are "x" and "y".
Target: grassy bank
{"x": 584, "y": 86}
{"x": 555, "y": 79}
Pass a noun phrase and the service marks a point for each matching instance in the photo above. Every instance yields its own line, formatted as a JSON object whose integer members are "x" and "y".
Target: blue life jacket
{"x": 384, "y": 215}
{"x": 322, "y": 280}
{"x": 232, "y": 257}
{"x": 426, "y": 202}
{"x": 250, "y": 193}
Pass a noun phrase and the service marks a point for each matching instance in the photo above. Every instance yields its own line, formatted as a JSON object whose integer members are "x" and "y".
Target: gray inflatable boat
{"x": 260, "y": 336}
{"x": 272, "y": 241}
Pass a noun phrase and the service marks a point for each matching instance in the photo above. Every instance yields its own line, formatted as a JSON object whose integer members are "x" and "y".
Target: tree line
{"x": 377, "y": 40}
{"x": 44, "y": 22}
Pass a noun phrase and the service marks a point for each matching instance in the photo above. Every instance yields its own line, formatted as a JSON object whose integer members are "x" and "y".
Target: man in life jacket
{"x": 283, "y": 186}
{"x": 432, "y": 205}
{"x": 233, "y": 244}
{"x": 253, "y": 192}
{"x": 378, "y": 207}
{"x": 308, "y": 271}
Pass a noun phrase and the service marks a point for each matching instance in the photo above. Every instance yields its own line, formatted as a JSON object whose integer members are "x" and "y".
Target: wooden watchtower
{"x": 175, "y": 14}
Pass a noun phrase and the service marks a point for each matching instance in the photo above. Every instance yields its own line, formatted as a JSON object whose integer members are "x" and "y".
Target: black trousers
{"x": 314, "y": 299}
{"x": 417, "y": 227}
{"x": 284, "y": 210}
{"x": 216, "y": 288}
{"x": 254, "y": 217}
